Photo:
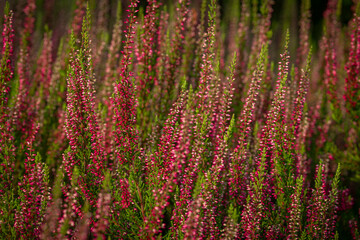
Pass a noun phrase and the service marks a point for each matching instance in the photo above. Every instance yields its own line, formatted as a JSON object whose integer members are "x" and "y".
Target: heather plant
{"x": 179, "y": 120}
{"x": 82, "y": 129}
{"x": 7, "y": 149}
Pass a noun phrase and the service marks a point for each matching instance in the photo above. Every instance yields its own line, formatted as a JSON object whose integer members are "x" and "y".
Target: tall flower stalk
{"x": 7, "y": 147}
{"x": 82, "y": 128}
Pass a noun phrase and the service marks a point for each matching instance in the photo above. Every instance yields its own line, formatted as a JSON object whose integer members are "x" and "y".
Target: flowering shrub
{"x": 159, "y": 120}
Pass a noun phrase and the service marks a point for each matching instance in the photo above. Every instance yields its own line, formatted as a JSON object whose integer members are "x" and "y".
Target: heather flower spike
{"x": 82, "y": 128}
{"x": 298, "y": 118}
{"x": 6, "y": 75}
{"x": 238, "y": 168}
{"x": 34, "y": 197}
{"x": 125, "y": 136}
{"x": 165, "y": 166}
{"x": 275, "y": 122}
{"x": 352, "y": 85}
{"x": 175, "y": 57}
{"x": 255, "y": 208}
{"x": 124, "y": 101}
{"x": 295, "y": 211}
{"x": 331, "y": 75}
{"x": 6, "y": 69}
{"x": 321, "y": 212}
{"x": 23, "y": 113}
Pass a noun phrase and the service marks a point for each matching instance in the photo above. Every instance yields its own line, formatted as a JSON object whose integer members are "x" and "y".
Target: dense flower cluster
{"x": 169, "y": 120}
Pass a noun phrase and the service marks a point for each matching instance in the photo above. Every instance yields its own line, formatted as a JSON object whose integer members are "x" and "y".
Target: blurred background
{"x": 56, "y": 15}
